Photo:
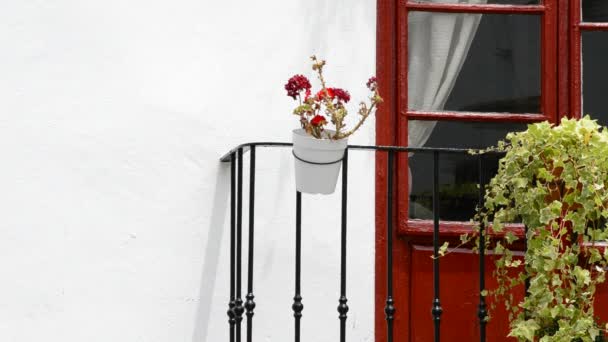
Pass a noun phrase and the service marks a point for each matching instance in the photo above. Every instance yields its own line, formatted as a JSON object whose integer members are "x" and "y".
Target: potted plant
{"x": 317, "y": 150}
{"x": 554, "y": 179}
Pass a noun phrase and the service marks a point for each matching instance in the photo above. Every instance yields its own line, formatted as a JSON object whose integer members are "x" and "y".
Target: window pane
{"x": 595, "y": 10}
{"x": 474, "y": 62}
{"x": 458, "y": 173}
{"x": 595, "y": 74}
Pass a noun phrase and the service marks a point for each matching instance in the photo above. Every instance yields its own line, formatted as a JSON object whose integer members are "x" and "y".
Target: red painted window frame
{"x": 548, "y": 110}
{"x": 578, "y": 26}
{"x": 558, "y": 99}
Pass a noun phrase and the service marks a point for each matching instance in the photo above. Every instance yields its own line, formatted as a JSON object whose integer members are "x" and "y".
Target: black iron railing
{"x": 237, "y": 307}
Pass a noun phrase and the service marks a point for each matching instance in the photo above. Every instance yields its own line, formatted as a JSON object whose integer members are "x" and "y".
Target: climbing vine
{"x": 554, "y": 180}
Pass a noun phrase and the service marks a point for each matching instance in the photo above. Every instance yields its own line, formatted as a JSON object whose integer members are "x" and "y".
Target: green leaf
{"x": 510, "y": 237}
{"x": 525, "y": 330}
{"x": 582, "y": 276}
{"x": 443, "y": 249}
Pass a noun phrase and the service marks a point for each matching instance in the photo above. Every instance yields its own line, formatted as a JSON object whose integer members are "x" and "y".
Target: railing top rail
{"x": 247, "y": 146}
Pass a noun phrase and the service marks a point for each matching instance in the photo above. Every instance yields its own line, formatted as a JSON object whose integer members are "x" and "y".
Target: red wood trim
{"x": 403, "y": 277}
{"x": 386, "y": 64}
{"x": 471, "y": 8}
{"x": 593, "y": 26}
{"x": 575, "y": 59}
{"x": 549, "y": 61}
{"x": 402, "y": 104}
{"x": 563, "y": 69}
{"x": 413, "y": 227}
{"x": 600, "y": 245}
{"x": 476, "y": 116}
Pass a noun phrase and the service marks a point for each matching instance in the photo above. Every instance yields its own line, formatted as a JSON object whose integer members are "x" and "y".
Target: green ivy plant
{"x": 553, "y": 179}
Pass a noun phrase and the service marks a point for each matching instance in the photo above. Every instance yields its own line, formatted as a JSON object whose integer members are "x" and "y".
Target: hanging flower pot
{"x": 317, "y": 162}
{"x": 318, "y": 152}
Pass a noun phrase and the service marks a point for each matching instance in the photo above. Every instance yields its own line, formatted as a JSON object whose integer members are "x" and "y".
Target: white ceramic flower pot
{"x": 317, "y": 162}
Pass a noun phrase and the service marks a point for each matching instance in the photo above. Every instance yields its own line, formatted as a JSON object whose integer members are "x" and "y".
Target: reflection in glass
{"x": 595, "y": 74}
{"x": 459, "y": 175}
{"x": 595, "y": 10}
{"x": 474, "y": 62}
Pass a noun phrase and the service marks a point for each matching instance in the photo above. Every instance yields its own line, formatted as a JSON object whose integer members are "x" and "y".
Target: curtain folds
{"x": 438, "y": 44}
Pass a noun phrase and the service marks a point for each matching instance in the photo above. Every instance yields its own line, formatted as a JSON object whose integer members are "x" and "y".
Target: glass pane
{"x": 474, "y": 62}
{"x": 595, "y": 10}
{"x": 595, "y": 74}
{"x": 458, "y": 173}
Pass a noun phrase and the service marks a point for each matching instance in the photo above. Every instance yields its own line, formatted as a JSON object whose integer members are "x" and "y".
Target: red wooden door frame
{"x": 392, "y": 120}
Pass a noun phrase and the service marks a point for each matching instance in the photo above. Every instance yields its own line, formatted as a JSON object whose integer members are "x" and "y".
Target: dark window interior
{"x": 595, "y": 10}
{"x": 595, "y": 74}
{"x": 458, "y": 173}
{"x": 502, "y": 70}
{"x": 501, "y": 74}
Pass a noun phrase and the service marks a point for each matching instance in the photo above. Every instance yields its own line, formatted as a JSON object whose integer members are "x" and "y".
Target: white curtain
{"x": 438, "y": 44}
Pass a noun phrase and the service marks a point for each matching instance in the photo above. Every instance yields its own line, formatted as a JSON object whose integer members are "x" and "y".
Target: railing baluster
{"x": 343, "y": 307}
{"x": 231, "y": 304}
{"x": 527, "y": 280}
{"x": 238, "y": 308}
{"x": 250, "y": 303}
{"x": 297, "y": 299}
{"x": 389, "y": 308}
{"x": 437, "y": 310}
{"x": 482, "y": 312}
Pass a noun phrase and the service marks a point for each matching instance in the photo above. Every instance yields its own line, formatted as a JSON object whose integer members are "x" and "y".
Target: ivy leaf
{"x": 543, "y": 174}
{"x": 582, "y": 276}
{"x": 525, "y": 330}
{"x": 510, "y": 237}
{"x": 497, "y": 225}
{"x": 513, "y": 263}
{"x": 443, "y": 249}
{"x": 593, "y": 333}
{"x": 520, "y": 182}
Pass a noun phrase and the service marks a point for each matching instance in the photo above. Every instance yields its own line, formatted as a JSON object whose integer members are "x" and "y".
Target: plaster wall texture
{"x": 114, "y": 218}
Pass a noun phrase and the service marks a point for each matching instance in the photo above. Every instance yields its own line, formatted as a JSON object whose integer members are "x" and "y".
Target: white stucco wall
{"x": 114, "y": 207}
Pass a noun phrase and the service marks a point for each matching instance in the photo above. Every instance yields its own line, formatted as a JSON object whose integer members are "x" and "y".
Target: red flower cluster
{"x": 342, "y": 94}
{"x": 296, "y": 84}
{"x": 372, "y": 83}
{"x": 318, "y": 120}
{"x": 329, "y": 101}
{"x": 332, "y": 93}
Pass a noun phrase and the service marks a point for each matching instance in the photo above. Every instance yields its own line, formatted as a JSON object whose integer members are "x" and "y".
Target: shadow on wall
{"x": 212, "y": 252}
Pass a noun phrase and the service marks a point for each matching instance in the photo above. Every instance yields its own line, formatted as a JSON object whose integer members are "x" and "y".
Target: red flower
{"x": 318, "y": 120}
{"x": 372, "y": 83}
{"x": 329, "y": 92}
{"x": 341, "y": 94}
{"x": 296, "y": 84}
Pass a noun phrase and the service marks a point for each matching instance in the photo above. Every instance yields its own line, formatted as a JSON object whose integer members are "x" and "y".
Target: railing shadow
{"x": 212, "y": 250}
